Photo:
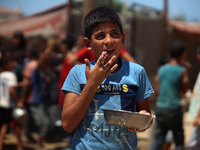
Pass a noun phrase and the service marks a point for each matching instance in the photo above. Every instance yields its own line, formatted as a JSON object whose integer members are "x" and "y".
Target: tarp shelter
{"x": 48, "y": 22}
{"x": 187, "y": 27}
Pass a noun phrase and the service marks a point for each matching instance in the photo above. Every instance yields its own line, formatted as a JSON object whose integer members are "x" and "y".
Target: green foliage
{"x": 180, "y": 17}
{"x": 115, "y": 4}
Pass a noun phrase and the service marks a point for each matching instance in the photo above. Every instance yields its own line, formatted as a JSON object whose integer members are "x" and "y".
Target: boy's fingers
{"x": 100, "y": 61}
{"x": 87, "y": 62}
{"x": 113, "y": 69}
{"x": 136, "y": 130}
{"x": 109, "y": 64}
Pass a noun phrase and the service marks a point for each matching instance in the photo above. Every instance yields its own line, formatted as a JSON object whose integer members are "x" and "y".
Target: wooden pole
{"x": 165, "y": 24}
{"x": 68, "y": 15}
{"x": 88, "y": 6}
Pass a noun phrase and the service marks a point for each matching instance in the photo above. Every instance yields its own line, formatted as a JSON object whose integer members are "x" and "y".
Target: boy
{"x": 107, "y": 82}
{"x": 8, "y": 84}
{"x": 172, "y": 82}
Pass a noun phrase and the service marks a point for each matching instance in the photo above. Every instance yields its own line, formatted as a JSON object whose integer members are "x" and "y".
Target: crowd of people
{"x": 33, "y": 78}
{"x": 30, "y": 78}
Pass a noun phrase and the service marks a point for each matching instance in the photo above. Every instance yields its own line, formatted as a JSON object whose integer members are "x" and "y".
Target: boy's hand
{"x": 150, "y": 124}
{"x": 101, "y": 69}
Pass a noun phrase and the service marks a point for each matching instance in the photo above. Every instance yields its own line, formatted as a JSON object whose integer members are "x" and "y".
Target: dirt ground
{"x": 144, "y": 140}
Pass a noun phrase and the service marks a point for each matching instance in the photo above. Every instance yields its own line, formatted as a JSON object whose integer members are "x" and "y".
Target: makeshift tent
{"x": 187, "y": 27}
{"x": 48, "y": 22}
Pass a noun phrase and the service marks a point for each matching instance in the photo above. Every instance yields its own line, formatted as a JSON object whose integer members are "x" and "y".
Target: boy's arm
{"x": 13, "y": 93}
{"x": 185, "y": 80}
{"x": 127, "y": 56}
{"x": 143, "y": 108}
{"x": 26, "y": 90}
{"x": 156, "y": 88}
{"x": 42, "y": 59}
{"x": 73, "y": 60}
{"x": 75, "y": 106}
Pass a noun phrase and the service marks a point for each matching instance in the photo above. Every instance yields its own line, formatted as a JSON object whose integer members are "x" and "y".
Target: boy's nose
{"x": 108, "y": 39}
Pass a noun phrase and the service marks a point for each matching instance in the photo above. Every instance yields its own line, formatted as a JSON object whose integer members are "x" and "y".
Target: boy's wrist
{"x": 91, "y": 85}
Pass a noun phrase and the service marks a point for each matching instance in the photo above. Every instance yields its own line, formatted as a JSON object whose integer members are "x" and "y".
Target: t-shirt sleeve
{"x": 71, "y": 83}
{"x": 145, "y": 89}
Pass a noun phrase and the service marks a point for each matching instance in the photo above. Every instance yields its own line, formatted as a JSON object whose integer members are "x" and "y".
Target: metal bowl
{"x": 20, "y": 114}
{"x": 128, "y": 119}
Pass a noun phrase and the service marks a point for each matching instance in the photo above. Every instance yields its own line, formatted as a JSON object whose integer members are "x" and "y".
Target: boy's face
{"x": 106, "y": 37}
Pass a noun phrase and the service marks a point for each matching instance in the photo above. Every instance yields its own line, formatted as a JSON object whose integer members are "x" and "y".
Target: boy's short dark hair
{"x": 176, "y": 49}
{"x": 98, "y": 16}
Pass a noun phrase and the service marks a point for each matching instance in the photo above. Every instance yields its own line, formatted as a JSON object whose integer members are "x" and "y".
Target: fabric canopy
{"x": 52, "y": 21}
{"x": 190, "y": 28}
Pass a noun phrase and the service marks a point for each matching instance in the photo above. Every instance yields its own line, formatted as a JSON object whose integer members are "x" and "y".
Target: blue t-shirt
{"x": 169, "y": 86}
{"x": 121, "y": 91}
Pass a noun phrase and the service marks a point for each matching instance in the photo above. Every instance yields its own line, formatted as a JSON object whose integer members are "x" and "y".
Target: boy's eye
{"x": 115, "y": 34}
{"x": 100, "y": 36}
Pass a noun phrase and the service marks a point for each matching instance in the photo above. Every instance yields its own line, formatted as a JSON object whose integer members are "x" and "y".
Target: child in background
{"x": 8, "y": 83}
{"x": 109, "y": 82}
{"x": 66, "y": 47}
{"x": 172, "y": 81}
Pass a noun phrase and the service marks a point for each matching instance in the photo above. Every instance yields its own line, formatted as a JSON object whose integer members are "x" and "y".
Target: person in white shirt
{"x": 8, "y": 82}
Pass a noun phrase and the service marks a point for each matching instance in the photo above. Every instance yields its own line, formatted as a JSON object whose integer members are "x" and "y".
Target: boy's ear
{"x": 123, "y": 37}
{"x": 87, "y": 43}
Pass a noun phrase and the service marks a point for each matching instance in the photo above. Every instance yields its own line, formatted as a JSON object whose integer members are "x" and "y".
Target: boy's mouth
{"x": 109, "y": 52}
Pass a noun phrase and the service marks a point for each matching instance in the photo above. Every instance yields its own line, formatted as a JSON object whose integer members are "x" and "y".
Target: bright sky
{"x": 188, "y": 8}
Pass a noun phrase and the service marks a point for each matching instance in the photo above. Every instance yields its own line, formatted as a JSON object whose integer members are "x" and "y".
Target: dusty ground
{"x": 144, "y": 140}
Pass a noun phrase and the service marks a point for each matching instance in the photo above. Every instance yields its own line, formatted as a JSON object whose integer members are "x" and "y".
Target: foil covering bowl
{"x": 128, "y": 119}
